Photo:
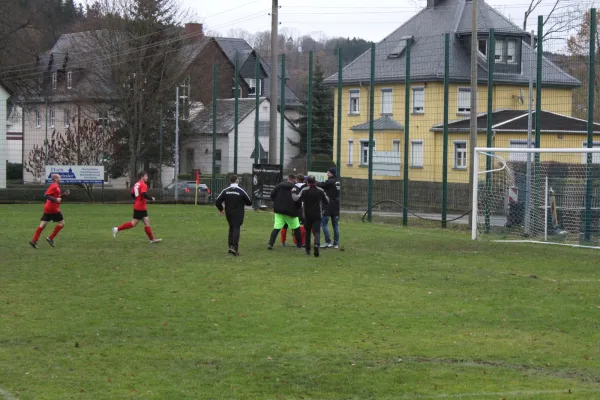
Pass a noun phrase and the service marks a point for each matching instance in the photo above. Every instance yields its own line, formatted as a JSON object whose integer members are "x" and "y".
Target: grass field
{"x": 400, "y": 314}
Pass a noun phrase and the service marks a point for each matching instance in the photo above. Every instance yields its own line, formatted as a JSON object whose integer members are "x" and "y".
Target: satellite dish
{"x": 522, "y": 97}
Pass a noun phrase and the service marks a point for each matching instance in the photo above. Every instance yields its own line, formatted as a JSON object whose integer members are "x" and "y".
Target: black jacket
{"x": 313, "y": 198}
{"x": 235, "y": 199}
{"x": 332, "y": 188}
{"x": 282, "y": 198}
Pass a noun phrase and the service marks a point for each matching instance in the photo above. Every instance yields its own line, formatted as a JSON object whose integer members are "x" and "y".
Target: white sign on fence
{"x": 319, "y": 176}
{"x": 513, "y": 194}
{"x": 90, "y": 174}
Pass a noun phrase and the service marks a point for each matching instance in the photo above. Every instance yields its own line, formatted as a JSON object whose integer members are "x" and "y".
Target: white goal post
{"x": 549, "y": 196}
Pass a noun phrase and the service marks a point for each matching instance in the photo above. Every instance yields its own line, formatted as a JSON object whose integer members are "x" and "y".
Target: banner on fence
{"x": 76, "y": 174}
{"x": 264, "y": 179}
{"x": 319, "y": 176}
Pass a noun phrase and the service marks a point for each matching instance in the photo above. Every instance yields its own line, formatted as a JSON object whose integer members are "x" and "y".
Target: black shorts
{"x": 140, "y": 215}
{"x": 55, "y": 217}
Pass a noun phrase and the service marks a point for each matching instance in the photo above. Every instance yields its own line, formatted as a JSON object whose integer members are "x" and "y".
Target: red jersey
{"x": 138, "y": 190}
{"x": 51, "y": 207}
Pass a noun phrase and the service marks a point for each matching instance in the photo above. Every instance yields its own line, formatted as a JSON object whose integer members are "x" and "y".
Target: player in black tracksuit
{"x": 235, "y": 199}
{"x": 313, "y": 199}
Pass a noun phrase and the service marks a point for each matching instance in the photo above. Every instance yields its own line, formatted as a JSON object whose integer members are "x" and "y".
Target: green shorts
{"x": 281, "y": 220}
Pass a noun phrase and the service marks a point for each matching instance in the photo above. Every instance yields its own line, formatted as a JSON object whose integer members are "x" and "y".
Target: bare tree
{"x": 138, "y": 61}
{"x": 87, "y": 144}
{"x": 563, "y": 16}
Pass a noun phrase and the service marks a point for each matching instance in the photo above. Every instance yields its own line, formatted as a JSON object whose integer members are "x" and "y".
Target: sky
{"x": 346, "y": 18}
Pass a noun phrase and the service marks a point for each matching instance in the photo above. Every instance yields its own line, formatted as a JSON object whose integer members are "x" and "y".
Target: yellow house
{"x": 424, "y": 35}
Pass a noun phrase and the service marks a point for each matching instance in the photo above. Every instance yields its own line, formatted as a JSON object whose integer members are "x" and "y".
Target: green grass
{"x": 401, "y": 313}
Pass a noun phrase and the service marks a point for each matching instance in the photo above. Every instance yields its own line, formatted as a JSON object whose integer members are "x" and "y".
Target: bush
{"x": 14, "y": 171}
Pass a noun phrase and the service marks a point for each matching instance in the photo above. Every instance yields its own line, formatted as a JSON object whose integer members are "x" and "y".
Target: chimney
{"x": 194, "y": 31}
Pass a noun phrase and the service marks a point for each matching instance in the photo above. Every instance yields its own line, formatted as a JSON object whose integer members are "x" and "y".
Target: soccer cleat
{"x": 115, "y": 232}
{"x": 282, "y": 244}
{"x": 308, "y": 251}
{"x": 33, "y": 244}
{"x": 316, "y": 251}
{"x": 233, "y": 252}
{"x": 326, "y": 246}
{"x": 50, "y": 241}
{"x": 153, "y": 241}
{"x": 270, "y": 246}
{"x": 335, "y": 246}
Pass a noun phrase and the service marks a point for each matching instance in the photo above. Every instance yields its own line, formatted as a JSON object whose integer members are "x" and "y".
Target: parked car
{"x": 185, "y": 191}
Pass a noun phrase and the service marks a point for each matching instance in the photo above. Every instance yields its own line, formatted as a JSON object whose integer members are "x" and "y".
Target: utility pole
{"x": 176, "y": 142}
{"x": 473, "y": 135}
{"x": 273, "y": 81}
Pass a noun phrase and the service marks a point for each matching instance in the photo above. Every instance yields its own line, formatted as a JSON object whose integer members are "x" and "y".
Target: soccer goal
{"x": 549, "y": 196}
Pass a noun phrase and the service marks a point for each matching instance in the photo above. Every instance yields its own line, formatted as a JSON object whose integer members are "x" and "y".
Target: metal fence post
{"x": 257, "y": 109}
{"x": 371, "y": 139}
{"x": 214, "y": 126}
{"x": 446, "y": 121}
{"x": 406, "y": 134}
{"x": 236, "y": 113}
{"x": 338, "y": 162}
{"x": 490, "y": 110}
{"x": 309, "y": 112}
{"x": 590, "y": 125}
{"x": 282, "y": 114}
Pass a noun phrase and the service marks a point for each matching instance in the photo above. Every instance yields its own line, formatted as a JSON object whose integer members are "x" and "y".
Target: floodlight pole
{"x": 473, "y": 135}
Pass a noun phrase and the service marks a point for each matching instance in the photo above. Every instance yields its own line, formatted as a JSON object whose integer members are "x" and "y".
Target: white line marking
{"x": 496, "y": 394}
{"x": 7, "y": 395}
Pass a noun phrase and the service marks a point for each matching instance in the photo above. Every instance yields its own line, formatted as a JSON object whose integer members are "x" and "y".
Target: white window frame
{"x": 416, "y": 109}
{"x": 595, "y": 156}
{"x": 458, "y": 150}
{"x": 466, "y": 109}
{"x": 508, "y": 51}
{"x": 499, "y": 55}
{"x": 387, "y": 108}
{"x": 419, "y": 162}
{"x": 254, "y": 84}
{"x": 364, "y": 148}
{"x": 69, "y": 80}
{"x": 517, "y": 144}
{"x": 394, "y": 142}
{"x": 54, "y": 80}
{"x": 66, "y": 117}
{"x": 354, "y": 94}
{"x": 350, "y": 151}
{"x": 52, "y": 114}
{"x": 38, "y": 119}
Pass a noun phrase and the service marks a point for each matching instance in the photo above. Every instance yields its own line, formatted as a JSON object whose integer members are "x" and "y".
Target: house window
{"x": 350, "y": 151}
{"x": 52, "y": 118}
{"x": 66, "y": 118}
{"x": 464, "y": 100}
{"x": 395, "y": 146}
{"x": 517, "y": 144}
{"x": 263, "y": 128}
{"x": 386, "y": 101}
{"x": 364, "y": 152}
{"x": 218, "y": 155}
{"x": 511, "y": 50}
{"x": 482, "y": 47}
{"x": 355, "y": 101}
{"x": 54, "y": 78}
{"x": 69, "y": 80}
{"x": 102, "y": 118}
{"x": 595, "y": 156}
{"x": 254, "y": 84}
{"x": 38, "y": 119}
{"x": 418, "y": 100}
{"x": 460, "y": 154}
{"x": 239, "y": 93}
{"x": 499, "y": 51}
{"x": 417, "y": 153}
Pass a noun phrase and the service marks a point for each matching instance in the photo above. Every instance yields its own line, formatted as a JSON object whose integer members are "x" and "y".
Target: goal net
{"x": 537, "y": 195}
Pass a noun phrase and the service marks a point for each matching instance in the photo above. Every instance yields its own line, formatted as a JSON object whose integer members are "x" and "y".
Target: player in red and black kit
{"x": 140, "y": 213}
{"x": 51, "y": 212}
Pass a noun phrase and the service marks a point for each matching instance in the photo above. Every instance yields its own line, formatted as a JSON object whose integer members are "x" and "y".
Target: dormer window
{"x": 254, "y": 85}
{"x": 69, "y": 80}
{"x": 507, "y": 51}
{"x": 54, "y": 79}
{"x": 400, "y": 47}
{"x": 511, "y": 51}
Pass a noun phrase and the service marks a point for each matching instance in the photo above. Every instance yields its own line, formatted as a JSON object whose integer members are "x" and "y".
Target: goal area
{"x": 527, "y": 195}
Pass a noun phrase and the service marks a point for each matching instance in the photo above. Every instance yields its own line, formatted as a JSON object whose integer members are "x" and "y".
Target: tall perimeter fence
{"x": 394, "y": 122}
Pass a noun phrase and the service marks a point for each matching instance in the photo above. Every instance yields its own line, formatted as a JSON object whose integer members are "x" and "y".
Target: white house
{"x": 4, "y": 96}
{"x": 14, "y": 135}
{"x": 196, "y": 152}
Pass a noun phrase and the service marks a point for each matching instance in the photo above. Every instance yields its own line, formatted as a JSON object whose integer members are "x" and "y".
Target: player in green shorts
{"x": 286, "y": 211}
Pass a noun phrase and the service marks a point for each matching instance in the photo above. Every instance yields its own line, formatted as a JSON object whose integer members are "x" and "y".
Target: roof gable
{"x": 385, "y": 123}
{"x": 202, "y": 123}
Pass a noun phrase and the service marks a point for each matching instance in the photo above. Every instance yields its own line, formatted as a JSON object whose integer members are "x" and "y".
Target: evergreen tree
{"x": 322, "y": 118}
